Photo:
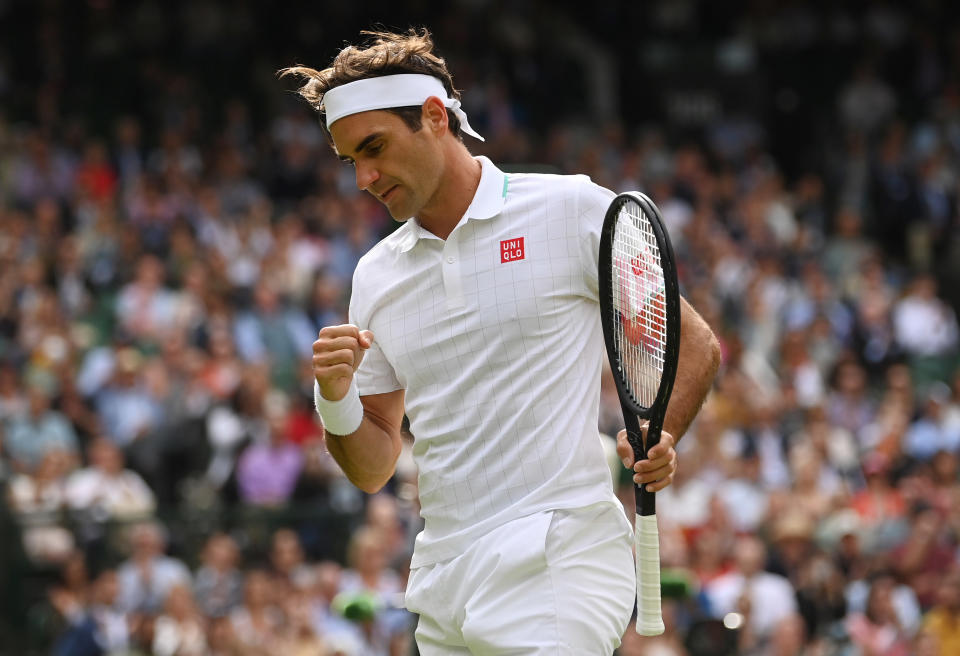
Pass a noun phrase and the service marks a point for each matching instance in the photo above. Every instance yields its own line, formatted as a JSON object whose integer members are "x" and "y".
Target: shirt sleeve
{"x": 592, "y": 203}
{"x": 375, "y": 374}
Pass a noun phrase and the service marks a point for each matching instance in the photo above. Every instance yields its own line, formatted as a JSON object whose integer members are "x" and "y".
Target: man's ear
{"x": 434, "y": 115}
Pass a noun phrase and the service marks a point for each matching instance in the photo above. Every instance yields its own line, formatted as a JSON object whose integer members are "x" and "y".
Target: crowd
{"x": 165, "y": 487}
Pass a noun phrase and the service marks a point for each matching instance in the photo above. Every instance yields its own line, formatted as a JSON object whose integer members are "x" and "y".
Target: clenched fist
{"x": 337, "y": 353}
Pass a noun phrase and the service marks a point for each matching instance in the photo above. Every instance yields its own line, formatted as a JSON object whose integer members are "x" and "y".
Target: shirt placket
{"x": 452, "y": 281}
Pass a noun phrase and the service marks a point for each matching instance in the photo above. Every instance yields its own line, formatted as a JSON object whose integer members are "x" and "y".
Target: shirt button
{"x": 451, "y": 260}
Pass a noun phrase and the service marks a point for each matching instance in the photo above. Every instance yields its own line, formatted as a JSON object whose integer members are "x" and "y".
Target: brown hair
{"x": 384, "y": 53}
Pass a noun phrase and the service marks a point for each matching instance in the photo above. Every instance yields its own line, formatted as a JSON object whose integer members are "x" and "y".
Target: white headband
{"x": 388, "y": 92}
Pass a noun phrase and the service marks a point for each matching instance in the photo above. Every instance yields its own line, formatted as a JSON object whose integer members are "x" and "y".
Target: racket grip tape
{"x": 647, "y": 548}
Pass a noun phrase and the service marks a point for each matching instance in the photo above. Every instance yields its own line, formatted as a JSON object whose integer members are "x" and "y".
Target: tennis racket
{"x": 640, "y": 312}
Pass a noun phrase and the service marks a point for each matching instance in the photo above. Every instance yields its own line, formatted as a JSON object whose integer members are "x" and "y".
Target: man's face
{"x": 399, "y": 167}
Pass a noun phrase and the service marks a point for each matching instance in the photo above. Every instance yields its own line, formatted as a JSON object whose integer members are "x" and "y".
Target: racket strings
{"x": 639, "y": 300}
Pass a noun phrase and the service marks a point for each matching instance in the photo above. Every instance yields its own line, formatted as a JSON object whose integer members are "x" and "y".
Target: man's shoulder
{"x": 579, "y": 188}
{"x": 541, "y": 182}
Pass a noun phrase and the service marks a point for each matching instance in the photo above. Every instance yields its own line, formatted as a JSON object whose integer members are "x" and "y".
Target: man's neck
{"x": 456, "y": 190}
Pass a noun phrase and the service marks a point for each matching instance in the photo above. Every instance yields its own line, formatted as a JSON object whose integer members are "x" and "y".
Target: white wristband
{"x": 341, "y": 417}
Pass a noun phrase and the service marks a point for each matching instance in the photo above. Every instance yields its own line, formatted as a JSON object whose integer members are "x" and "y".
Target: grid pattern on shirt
{"x": 501, "y": 370}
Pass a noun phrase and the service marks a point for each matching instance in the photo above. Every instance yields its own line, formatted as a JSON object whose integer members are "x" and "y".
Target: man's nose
{"x": 366, "y": 176}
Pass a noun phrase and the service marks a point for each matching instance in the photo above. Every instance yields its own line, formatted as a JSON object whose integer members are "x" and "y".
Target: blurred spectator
{"x": 147, "y": 577}
{"x": 847, "y": 250}
{"x": 816, "y": 488}
{"x": 145, "y": 307}
{"x": 384, "y": 515}
{"x": 181, "y": 629}
{"x": 300, "y": 637}
{"x": 872, "y": 297}
{"x": 368, "y": 573}
{"x": 687, "y": 501}
{"x": 764, "y": 598}
{"x": 267, "y": 471}
{"x": 789, "y": 637}
{"x": 866, "y": 102}
{"x": 326, "y": 585}
{"x": 174, "y": 154}
{"x": 850, "y": 406}
{"x": 218, "y": 583}
{"x": 936, "y": 429}
{"x": 272, "y": 332}
{"x": 174, "y": 447}
{"x": 743, "y": 495}
{"x": 348, "y": 248}
{"x": 820, "y": 594}
{"x": 127, "y": 410}
{"x": 879, "y": 506}
{"x": 223, "y": 639}
{"x": 924, "y": 325}
{"x": 95, "y": 625}
{"x": 127, "y": 151}
{"x": 893, "y": 194}
{"x": 13, "y": 402}
{"x": 221, "y": 373}
{"x": 943, "y": 620}
{"x": 791, "y": 543}
{"x": 41, "y": 171}
{"x": 38, "y": 499}
{"x": 368, "y": 567}
{"x": 37, "y": 432}
{"x": 258, "y": 622}
{"x": 106, "y": 490}
{"x": 922, "y": 558}
{"x": 834, "y": 447}
{"x": 231, "y": 427}
{"x": 95, "y": 177}
{"x": 900, "y": 597}
{"x": 878, "y": 630}
{"x": 708, "y": 559}
{"x": 287, "y": 562}
{"x": 326, "y": 304}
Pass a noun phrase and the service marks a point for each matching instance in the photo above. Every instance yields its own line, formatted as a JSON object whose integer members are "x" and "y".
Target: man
{"x": 484, "y": 305}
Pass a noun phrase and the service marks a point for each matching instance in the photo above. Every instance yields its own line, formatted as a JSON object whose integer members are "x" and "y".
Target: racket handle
{"x": 646, "y": 501}
{"x": 647, "y": 547}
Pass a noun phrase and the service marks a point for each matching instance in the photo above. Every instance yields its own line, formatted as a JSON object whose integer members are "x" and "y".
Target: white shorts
{"x": 560, "y": 582}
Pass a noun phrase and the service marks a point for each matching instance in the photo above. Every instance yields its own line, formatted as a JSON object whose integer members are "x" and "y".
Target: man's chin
{"x": 400, "y": 216}
{"x": 400, "y": 212}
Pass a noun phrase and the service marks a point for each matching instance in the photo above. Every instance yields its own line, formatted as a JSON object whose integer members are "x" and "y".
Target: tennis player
{"x": 479, "y": 317}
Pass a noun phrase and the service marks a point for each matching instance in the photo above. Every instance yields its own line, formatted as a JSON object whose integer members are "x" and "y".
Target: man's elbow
{"x": 369, "y": 484}
{"x": 373, "y": 488}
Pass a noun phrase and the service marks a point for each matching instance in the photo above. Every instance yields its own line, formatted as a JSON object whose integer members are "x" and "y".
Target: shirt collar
{"x": 487, "y": 203}
{"x": 491, "y": 192}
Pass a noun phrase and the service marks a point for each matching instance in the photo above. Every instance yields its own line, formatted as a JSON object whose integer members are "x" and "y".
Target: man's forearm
{"x": 368, "y": 456}
{"x": 699, "y": 361}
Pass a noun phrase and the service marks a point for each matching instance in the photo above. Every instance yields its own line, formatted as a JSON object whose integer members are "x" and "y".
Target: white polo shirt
{"x": 495, "y": 335}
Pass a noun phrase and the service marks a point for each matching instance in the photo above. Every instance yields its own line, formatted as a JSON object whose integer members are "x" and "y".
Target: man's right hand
{"x": 337, "y": 353}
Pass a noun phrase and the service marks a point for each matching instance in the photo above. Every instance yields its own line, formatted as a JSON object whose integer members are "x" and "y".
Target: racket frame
{"x": 632, "y": 410}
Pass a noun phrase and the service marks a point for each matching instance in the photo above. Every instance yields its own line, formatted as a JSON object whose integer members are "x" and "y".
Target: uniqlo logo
{"x": 511, "y": 250}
